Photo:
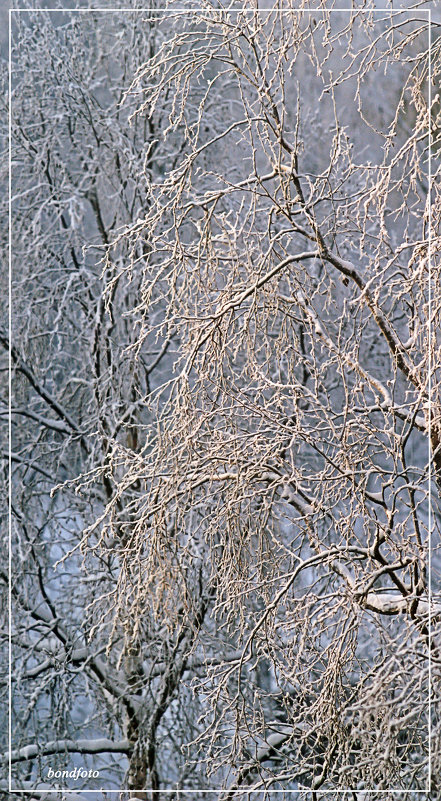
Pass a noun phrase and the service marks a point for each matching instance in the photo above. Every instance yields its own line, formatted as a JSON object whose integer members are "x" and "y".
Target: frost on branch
{"x": 226, "y": 363}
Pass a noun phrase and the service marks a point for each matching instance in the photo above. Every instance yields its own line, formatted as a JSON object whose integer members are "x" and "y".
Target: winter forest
{"x": 222, "y": 436}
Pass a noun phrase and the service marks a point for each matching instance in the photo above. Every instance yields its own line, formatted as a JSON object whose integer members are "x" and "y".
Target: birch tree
{"x": 226, "y": 411}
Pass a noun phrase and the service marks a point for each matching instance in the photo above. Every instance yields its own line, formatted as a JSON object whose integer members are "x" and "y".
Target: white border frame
{"x": 392, "y": 12}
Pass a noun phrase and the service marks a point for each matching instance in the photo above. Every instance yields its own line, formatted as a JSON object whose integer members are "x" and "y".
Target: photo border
{"x": 183, "y": 10}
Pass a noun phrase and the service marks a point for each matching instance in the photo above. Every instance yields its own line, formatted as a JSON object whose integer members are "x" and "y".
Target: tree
{"x": 225, "y": 402}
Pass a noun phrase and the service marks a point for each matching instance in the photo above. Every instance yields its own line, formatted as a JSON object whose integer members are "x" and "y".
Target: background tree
{"x": 80, "y": 172}
{"x": 221, "y": 360}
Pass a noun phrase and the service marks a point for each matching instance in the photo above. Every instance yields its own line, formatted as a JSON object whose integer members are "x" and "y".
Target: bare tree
{"x": 226, "y": 407}
{"x": 80, "y": 172}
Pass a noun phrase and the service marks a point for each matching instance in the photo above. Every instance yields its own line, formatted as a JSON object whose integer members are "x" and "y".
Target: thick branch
{"x": 99, "y": 746}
